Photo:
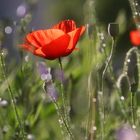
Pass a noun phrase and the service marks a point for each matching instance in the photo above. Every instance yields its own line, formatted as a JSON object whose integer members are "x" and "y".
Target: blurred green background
{"x": 81, "y": 69}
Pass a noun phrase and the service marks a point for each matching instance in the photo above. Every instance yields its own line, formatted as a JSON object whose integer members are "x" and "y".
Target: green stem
{"x": 101, "y": 109}
{"x": 62, "y": 91}
{"x": 125, "y": 71}
{"x": 61, "y": 116}
{"x": 135, "y": 11}
{"x": 12, "y": 98}
{"x": 66, "y": 117}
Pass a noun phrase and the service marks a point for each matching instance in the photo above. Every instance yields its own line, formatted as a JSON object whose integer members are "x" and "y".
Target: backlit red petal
{"x": 135, "y": 37}
{"x": 57, "y": 47}
{"x": 31, "y": 40}
{"x": 74, "y": 35}
{"x": 44, "y": 37}
{"x": 83, "y": 28}
{"x": 39, "y": 52}
{"x": 66, "y": 26}
{"x": 28, "y": 47}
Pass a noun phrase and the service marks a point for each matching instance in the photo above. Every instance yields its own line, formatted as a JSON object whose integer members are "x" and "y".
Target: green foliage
{"x": 97, "y": 105}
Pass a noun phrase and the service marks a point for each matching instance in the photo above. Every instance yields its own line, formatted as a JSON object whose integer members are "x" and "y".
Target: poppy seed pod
{"x": 113, "y": 29}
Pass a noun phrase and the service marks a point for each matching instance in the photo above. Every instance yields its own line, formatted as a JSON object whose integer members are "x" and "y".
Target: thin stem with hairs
{"x": 101, "y": 108}
{"x": 12, "y": 98}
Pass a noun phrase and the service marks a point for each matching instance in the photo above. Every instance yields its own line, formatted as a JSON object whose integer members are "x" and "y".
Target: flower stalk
{"x": 101, "y": 94}
{"x": 63, "y": 121}
{"x": 12, "y": 98}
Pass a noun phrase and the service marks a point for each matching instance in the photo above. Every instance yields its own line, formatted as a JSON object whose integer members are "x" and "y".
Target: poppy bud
{"x": 113, "y": 29}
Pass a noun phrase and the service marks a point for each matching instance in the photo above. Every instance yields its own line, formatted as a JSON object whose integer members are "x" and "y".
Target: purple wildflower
{"x": 45, "y": 73}
{"x": 126, "y": 133}
{"x": 51, "y": 91}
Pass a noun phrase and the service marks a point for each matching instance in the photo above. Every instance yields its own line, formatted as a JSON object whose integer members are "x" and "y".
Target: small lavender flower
{"x": 51, "y": 90}
{"x": 45, "y": 73}
{"x": 126, "y": 133}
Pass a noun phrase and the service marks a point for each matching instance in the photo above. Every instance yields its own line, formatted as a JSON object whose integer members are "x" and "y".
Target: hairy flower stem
{"x": 135, "y": 11}
{"x": 62, "y": 121}
{"x": 12, "y": 98}
{"x": 66, "y": 117}
{"x": 125, "y": 71}
{"x": 102, "y": 110}
{"x": 62, "y": 92}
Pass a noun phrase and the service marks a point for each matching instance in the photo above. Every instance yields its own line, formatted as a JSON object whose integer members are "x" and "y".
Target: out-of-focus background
{"x": 37, "y": 113}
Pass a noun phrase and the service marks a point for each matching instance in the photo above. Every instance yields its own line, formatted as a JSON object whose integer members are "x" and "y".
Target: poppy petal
{"x": 31, "y": 40}
{"x": 44, "y": 37}
{"x": 75, "y": 35}
{"x": 39, "y": 52}
{"x": 135, "y": 37}
{"x": 66, "y": 26}
{"x": 56, "y": 48}
{"x": 83, "y": 28}
{"x": 28, "y": 47}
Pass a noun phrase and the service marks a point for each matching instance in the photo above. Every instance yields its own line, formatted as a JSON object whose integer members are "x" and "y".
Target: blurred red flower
{"x": 135, "y": 37}
{"x": 56, "y": 42}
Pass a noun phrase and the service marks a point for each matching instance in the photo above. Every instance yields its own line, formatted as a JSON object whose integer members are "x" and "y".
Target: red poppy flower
{"x": 59, "y": 41}
{"x": 135, "y": 37}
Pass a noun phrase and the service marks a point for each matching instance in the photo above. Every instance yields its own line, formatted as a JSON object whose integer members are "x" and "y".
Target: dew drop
{"x": 8, "y": 29}
{"x": 4, "y": 52}
{"x": 3, "y": 103}
{"x": 26, "y": 58}
{"x": 136, "y": 13}
{"x": 100, "y": 93}
{"x": 104, "y": 45}
{"x": 94, "y": 128}
{"x": 136, "y": 4}
{"x": 122, "y": 98}
{"x": 94, "y": 100}
{"x": 128, "y": 60}
{"x": 134, "y": 126}
{"x": 60, "y": 121}
{"x": 30, "y": 137}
